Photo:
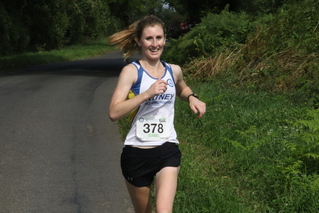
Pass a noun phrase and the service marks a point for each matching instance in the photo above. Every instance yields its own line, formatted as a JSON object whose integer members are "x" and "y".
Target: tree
{"x": 33, "y": 25}
{"x": 131, "y": 10}
{"x": 196, "y": 9}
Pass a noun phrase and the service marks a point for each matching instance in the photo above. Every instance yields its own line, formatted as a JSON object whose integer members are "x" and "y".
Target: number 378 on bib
{"x": 152, "y": 128}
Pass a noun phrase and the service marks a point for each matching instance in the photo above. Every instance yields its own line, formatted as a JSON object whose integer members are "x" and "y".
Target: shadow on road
{"x": 104, "y": 66}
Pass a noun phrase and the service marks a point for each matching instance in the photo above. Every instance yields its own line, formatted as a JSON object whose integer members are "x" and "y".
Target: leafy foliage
{"x": 196, "y": 9}
{"x": 13, "y": 34}
{"x": 227, "y": 29}
{"x": 263, "y": 146}
{"x": 279, "y": 53}
{"x": 35, "y": 25}
{"x": 52, "y": 24}
{"x": 294, "y": 158}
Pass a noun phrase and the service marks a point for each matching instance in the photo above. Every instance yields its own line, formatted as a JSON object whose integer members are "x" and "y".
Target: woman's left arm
{"x": 184, "y": 92}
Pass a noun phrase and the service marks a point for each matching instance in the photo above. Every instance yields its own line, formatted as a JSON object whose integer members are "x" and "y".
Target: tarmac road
{"x": 59, "y": 152}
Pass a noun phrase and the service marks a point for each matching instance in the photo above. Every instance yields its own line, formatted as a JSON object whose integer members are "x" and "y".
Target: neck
{"x": 152, "y": 63}
{"x": 155, "y": 68}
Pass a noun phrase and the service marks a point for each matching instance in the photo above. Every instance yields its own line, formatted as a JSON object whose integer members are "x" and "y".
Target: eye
{"x": 159, "y": 37}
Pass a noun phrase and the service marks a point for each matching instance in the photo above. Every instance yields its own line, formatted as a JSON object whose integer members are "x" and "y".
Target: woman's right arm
{"x": 120, "y": 105}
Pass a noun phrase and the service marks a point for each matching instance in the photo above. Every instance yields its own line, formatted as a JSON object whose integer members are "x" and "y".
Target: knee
{"x": 163, "y": 210}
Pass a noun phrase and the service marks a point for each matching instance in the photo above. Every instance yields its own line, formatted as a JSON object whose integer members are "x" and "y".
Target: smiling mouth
{"x": 154, "y": 49}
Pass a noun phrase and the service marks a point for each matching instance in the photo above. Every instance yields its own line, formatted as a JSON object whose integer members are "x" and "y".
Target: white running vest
{"x": 152, "y": 123}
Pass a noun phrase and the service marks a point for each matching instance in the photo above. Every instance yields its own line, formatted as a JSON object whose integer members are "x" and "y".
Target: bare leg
{"x": 140, "y": 197}
{"x": 165, "y": 189}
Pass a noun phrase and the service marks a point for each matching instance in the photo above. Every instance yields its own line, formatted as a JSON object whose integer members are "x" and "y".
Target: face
{"x": 152, "y": 42}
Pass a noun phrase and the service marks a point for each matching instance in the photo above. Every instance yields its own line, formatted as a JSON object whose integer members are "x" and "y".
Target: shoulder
{"x": 175, "y": 67}
{"x": 177, "y": 71}
{"x": 129, "y": 68}
{"x": 129, "y": 73}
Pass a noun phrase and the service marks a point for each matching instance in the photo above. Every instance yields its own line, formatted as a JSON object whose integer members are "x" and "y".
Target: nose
{"x": 154, "y": 43}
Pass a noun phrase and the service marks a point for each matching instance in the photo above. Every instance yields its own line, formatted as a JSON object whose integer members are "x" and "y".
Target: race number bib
{"x": 152, "y": 128}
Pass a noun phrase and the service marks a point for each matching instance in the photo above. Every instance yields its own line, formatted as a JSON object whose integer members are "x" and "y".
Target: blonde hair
{"x": 125, "y": 39}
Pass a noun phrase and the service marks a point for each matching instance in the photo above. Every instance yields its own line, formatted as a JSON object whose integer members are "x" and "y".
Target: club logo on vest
{"x": 170, "y": 82}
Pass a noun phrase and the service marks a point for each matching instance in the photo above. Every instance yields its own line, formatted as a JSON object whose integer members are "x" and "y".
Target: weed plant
{"x": 251, "y": 152}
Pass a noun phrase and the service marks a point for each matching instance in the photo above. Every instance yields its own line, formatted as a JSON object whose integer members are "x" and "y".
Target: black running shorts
{"x": 139, "y": 166}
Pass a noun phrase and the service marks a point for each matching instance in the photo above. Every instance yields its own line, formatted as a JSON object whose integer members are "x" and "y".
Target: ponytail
{"x": 125, "y": 39}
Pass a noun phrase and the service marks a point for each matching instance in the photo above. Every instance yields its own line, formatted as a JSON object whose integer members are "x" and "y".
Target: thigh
{"x": 140, "y": 197}
{"x": 165, "y": 188}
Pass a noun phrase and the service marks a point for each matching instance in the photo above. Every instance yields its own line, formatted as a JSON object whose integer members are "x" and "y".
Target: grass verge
{"x": 75, "y": 52}
{"x": 249, "y": 153}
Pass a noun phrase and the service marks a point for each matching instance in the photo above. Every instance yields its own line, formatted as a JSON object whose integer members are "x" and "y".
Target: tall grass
{"x": 279, "y": 55}
{"x": 252, "y": 152}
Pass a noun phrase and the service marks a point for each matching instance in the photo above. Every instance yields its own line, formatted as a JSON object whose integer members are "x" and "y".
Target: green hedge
{"x": 52, "y": 24}
{"x": 205, "y": 39}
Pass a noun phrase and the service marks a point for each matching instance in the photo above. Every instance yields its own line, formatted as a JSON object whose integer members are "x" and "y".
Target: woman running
{"x": 146, "y": 90}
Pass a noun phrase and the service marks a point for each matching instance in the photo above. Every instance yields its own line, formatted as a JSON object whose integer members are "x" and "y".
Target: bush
{"x": 226, "y": 29}
{"x": 280, "y": 55}
{"x": 46, "y": 25}
{"x": 14, "y": 37}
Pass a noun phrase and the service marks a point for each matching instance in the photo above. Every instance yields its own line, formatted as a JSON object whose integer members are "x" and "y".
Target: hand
{"x": 197, "y": 106}
{"x": 159, "y": 87}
